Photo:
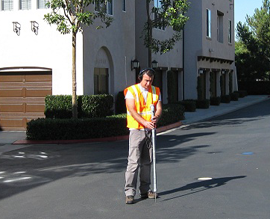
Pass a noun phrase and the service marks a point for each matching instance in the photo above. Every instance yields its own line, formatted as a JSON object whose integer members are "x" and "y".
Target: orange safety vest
{"x": 142, "y": 108}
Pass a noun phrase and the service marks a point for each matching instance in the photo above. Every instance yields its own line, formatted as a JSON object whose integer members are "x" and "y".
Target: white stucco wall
{"x": 50, "y": 49}
{"x": 118, "y": 42}
{"x": 47, "y": 49}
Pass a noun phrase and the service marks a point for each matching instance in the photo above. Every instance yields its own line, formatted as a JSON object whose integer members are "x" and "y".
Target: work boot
{"x": 130, "y": 199}
{"x": 150, "y": 194}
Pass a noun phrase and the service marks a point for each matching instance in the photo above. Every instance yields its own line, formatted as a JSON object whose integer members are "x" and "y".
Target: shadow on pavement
{"x": 200, "y": 186}
{"x": 36, "y": 165}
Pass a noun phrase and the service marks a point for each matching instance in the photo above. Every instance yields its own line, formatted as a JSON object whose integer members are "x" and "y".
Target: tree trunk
{"x": 74, "y": 83}
{"x": 149, "y": 22}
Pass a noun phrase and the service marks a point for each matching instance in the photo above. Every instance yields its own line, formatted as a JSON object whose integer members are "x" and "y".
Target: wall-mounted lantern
{"x": 34, "y": 27}
{"x": 201, "y": 71}
{"x": 154, "y": 64}
{"x": 135, "y": 64}
{"x": 17, "y": 27}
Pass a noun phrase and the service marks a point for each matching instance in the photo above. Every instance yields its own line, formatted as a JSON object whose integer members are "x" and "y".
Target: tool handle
{"x": 152, "y": 107}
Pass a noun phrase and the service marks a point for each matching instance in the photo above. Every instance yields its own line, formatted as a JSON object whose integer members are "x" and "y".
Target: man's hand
{"x": 149, "y": 125}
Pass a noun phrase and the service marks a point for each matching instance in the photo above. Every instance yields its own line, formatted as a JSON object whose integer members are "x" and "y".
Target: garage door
{"x": 22, "y": 97}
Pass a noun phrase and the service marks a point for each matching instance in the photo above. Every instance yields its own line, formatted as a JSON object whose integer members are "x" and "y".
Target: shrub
{"x": 94, "y": 106}
{"x": 89, "y": 106}
{"x": 226, "y": 99}
{"x": 171, "y": 113}
{"x": 190, "y": 105}
{"x": 234, "y": 96}
{"x": 215, "y": 101}
{"x": 242, "y": 93}
{"x": 89, "y": 128}
{"x": 67, "y": 129}
{"x": 58, "y": 106}
{"x": 202, "y": 104}
{"x": 254, "y": 87}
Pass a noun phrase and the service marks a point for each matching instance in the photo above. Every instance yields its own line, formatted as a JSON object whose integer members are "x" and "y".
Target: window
{"x": 208, "y": 23}
{"x": 101, "y": 81}
{"x": 220, "y": 26}
{"x": 230, "y": 32}
{"x": 100, "y": 6}
{"x": 109, "y": 9}
{"x": 157, "y": 4}
{"x": 160, "y": 21}
{"x": 7, "y": 5}
{"x": 25, "y": 4}
{"x": 42, "y": 4}
{"x": 124, "y": 5}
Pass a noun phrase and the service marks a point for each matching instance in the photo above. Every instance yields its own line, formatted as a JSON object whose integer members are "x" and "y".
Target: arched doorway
{"x": 103, "y": 72}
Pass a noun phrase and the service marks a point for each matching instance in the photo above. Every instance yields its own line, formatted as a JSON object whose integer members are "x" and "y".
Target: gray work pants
{"x": 140, "y": 157}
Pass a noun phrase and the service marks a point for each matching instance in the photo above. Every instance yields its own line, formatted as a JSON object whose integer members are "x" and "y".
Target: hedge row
{"x": 89, "y": 106}
{"x": 67, "y": 129}
{"x": 89, "y": 128}
{"x": 255, "y": 87}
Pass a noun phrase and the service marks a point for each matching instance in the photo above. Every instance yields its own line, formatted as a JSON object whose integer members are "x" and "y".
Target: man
{"x": 139, "y": 99}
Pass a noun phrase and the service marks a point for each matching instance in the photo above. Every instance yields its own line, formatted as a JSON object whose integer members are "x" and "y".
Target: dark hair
{"x": 149, "y": 71}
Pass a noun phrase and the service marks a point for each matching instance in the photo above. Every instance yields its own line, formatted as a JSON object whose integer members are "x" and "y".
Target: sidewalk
{"x": 223, "y": 108}
{"x": 18, "y": 138}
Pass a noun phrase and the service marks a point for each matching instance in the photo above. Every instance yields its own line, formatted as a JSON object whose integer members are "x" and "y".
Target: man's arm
{"x": 130, "y": 103}
{"x": 158, "y": 112}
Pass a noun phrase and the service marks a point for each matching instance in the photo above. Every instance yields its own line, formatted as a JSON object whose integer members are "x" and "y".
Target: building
{"x": 209, "y": 68}
{"x": 35, "y": 59}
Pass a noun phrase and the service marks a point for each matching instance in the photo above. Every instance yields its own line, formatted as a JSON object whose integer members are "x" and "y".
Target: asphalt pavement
{"x": 210, "y": 167}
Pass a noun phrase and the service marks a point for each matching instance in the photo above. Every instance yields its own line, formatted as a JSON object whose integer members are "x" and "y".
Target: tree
{"x": 254, "y": 36}
{"x": 70, "y": 16}
{"x": 167, "y": 13}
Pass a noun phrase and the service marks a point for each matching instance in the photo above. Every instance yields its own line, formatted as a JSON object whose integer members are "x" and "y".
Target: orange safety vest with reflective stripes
{"x": 142, "y": 108}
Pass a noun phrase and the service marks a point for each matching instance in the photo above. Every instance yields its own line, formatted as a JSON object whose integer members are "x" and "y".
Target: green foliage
{"x": 75, "y": 15}
{"x": 89, "y": 106}
{"x": 171, "y": 113}
{"x": 67, "y": 129}
{"x": 97, "y": 105}
{"x": 234, "y": 96}
{"x": 215, "y": 101}
{"x": 71, "y": 16}
{"x": 90, "y": 128}
{"x": 225, "y": 99}
{"x": 190, "y": 105}
{"x": 242, "y": 93}
{"x": 252, "y": 52}
{"x": 170, "y": 14}
{"x": 255, "y": 87}
{"x": 58, "y": 106}
{"x": 202, "y": 104}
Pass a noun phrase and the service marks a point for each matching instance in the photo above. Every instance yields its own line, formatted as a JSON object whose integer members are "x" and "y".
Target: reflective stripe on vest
{"x": 142, "y": 108}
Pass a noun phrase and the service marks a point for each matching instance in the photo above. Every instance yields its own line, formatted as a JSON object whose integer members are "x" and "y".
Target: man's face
{"x": 146, "y": 81}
